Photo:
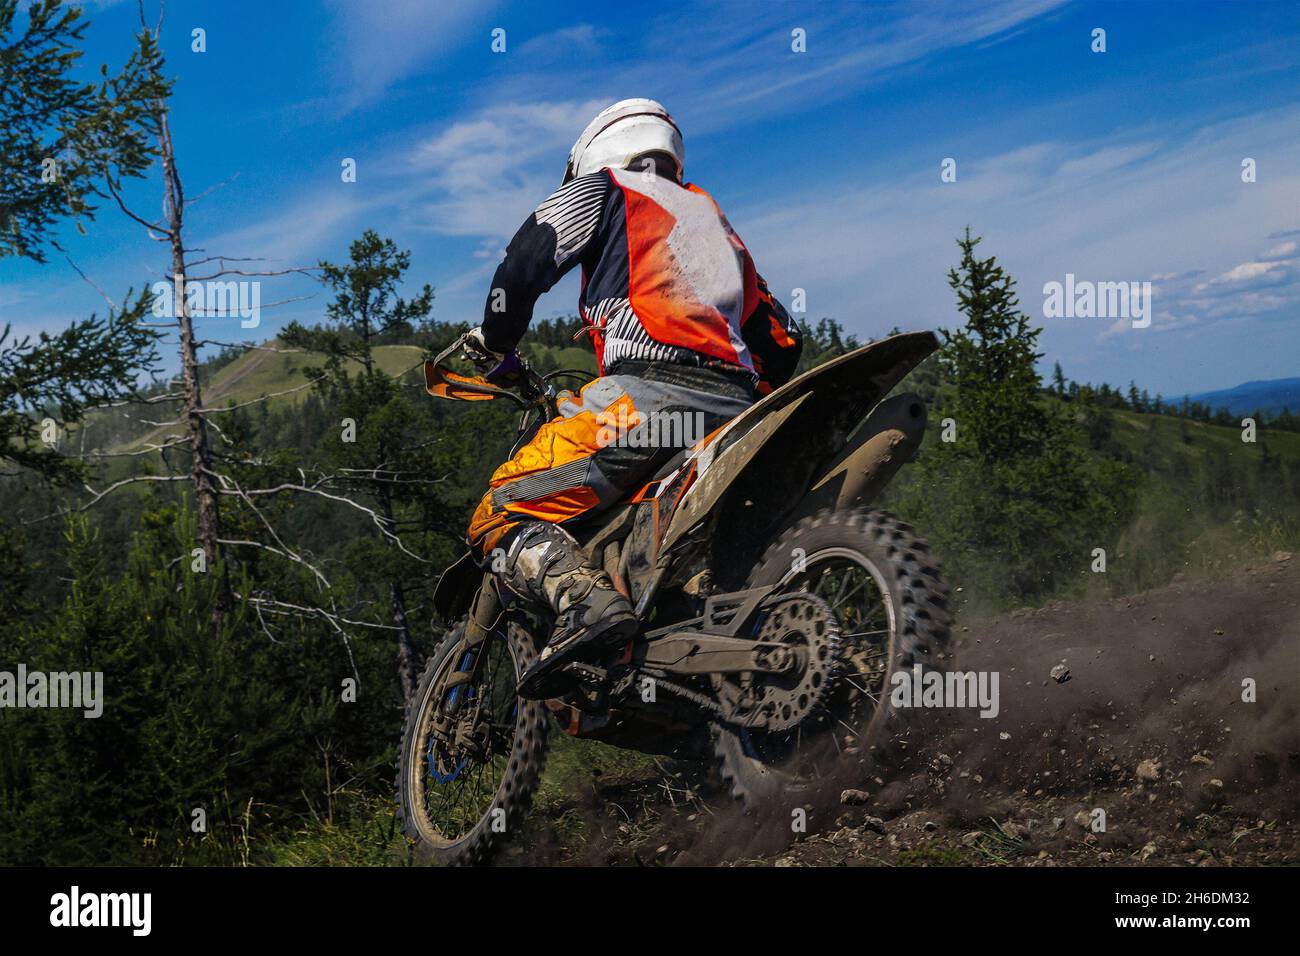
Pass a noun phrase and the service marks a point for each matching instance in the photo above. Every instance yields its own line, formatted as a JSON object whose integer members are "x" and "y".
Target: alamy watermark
{"x": 622, "y": 428}
{"x": 210, "y": 298}
{"x": 1084, "y": 299}
{"x": 76, "y": 690}
{"x": 931, "y": 688}
{"x": 74, "y": 908}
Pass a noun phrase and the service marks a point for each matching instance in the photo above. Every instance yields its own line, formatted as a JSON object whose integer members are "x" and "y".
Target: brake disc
{"x": 806, "y": 626}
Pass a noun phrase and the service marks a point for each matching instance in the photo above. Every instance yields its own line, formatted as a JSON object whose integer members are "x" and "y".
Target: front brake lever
{"x": 450, "y": 350}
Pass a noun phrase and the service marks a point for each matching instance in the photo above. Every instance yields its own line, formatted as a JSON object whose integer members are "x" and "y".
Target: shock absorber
{"x": 484, "y": 616}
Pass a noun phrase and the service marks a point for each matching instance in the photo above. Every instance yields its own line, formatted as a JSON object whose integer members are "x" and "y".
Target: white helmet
{"x": 622, "y": 134}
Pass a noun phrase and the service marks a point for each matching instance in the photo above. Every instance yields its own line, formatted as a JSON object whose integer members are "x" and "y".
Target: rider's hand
{"x": 484, "y": 359}
{"x": 499, "y": 369}
{"x": 509, "y": 371}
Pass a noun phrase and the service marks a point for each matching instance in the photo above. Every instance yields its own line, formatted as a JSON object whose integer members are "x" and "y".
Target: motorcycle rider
{"x": 684, "y": 330}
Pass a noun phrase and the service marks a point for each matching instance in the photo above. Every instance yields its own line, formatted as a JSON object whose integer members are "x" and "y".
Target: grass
{"x": 997, "y": 846}
{"x": 1207, "y": 503}
{"x": 366, "y": 834}
{"x": 364, "y": 830}
{"x": 929, "y": 854}
{"x": 255, "y": 373}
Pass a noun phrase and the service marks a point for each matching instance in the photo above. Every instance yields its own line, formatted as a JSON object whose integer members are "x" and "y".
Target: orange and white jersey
{"x": 665, "y": 279}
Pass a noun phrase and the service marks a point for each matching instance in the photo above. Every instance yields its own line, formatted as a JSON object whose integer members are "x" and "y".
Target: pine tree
{"x": 1058, "y": 381}
{"x": 991, "y": 358}
{"x": 48, "y": 385}
{"x": 1015, "y": 503}
{"x": 62, "y": 141}
{"x": 387, "y": 458}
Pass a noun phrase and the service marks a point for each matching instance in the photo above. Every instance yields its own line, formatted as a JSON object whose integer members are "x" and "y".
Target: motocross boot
{"x": 546, "y": 565}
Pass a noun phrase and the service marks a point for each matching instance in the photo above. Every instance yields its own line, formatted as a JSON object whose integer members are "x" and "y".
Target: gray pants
{"x": 609, "y": 440}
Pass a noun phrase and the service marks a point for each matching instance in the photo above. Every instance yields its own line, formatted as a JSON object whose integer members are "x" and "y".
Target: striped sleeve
{"x": 550, "y": 242}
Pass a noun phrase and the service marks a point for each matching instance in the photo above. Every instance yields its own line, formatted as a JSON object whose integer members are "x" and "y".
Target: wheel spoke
{"x": 840, "y": 600}
{"x": 454, "y": 806}
{"x": 856, "y": 593}
{"x": 883, "y": 630}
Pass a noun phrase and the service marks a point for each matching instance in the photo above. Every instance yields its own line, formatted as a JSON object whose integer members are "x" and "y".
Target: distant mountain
{"x": 1269, "y": 397}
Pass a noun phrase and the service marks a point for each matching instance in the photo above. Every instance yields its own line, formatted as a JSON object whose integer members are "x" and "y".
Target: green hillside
{"x": 1163, "y": 435}
{"x": 259, "y": 373}
{"x": 1198, "y": 498}
{"x": 253, "y": 375}
{"x": 1206, "y": 501}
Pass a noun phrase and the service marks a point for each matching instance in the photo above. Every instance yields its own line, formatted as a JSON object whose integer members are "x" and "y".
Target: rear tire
{"x": 509, "y": 777}
{"x": 878, "y": 551}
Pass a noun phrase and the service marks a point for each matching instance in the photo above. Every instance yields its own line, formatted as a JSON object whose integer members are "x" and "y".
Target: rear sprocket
{"x": 805, "y": 624}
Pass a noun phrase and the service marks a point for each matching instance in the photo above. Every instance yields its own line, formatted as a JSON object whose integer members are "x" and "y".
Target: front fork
{"x": 484, "y": 616}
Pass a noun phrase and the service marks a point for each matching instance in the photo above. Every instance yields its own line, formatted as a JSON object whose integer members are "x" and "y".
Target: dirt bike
{"x": 775, "y": 604}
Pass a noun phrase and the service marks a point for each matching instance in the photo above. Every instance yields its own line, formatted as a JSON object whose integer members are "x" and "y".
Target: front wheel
{"x": 886, "y": 592}
{"x": 471, "y": 755}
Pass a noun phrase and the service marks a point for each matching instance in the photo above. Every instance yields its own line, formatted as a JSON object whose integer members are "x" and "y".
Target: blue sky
{"x": 1115, "y": 166}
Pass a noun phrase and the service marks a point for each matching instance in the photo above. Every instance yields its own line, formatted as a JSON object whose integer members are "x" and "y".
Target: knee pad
{"x": 537, "y": 552}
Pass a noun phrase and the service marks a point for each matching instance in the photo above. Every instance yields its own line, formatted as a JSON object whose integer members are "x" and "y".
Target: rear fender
{"x": 800, "y": 438}
{"x": 887, "y": 440}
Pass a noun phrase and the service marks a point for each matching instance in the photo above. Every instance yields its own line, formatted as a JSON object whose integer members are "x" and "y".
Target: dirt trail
{"x": 1149, "y": 727}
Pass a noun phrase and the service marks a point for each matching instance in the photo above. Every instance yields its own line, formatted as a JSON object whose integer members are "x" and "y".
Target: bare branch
{"x": 375, "y": 517}
{"x": 301, "y": 270}
{"x": 149, "y": 449}
{"x": 141, "y": 400}
{"x": 254, "y": 401}
{"x": 149, "y": 226}
{"x": 229, "y": 485}
{"x": 100, "y": 495}
{"x": 316, "y": 612}
{"x": 284, "y": 554}
{"x": 247, "y": 345}
{"x": 77, "y": 269}
{"x": 212, "y": 189}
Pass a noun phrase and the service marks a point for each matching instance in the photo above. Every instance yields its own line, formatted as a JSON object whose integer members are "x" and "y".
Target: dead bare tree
{"x": 235, "y": 490}
{"x": 170, "y": 229}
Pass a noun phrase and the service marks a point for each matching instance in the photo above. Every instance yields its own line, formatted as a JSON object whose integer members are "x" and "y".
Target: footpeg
{"x": 591, "y": 691}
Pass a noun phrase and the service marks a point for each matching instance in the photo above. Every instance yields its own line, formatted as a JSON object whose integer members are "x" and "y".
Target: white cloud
{"x": 294, "y": 235}
{"x": 582, "y": 39}
{"x": 379, "y": 43}
{"x": 1104, "y": 161}
{"x": 483, "y": 175}
{"x": 1247, "y": 270}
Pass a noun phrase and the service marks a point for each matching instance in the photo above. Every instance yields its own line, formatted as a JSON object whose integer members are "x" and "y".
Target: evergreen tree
{"x": 1058, "y": 381}
{"x": 47, "y": 385}
{"x": 62, "y": 140}
{"x": 1014, "y": 503}
{"x": 991, "y": 359}
{"x": 62, "y": 143}
{"x": 388, "y": 459}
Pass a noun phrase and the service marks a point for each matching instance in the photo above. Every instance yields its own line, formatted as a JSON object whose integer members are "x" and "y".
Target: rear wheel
{"x": 465, "y": 783}
{"x": 890, "y": 602}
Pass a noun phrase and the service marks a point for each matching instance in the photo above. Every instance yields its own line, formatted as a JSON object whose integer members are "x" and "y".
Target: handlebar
{"x": 532, "y": 390}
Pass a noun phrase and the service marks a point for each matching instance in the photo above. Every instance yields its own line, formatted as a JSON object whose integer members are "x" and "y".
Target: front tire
{"x": 891, "y": 602}
{"x": 458, "y": 806}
